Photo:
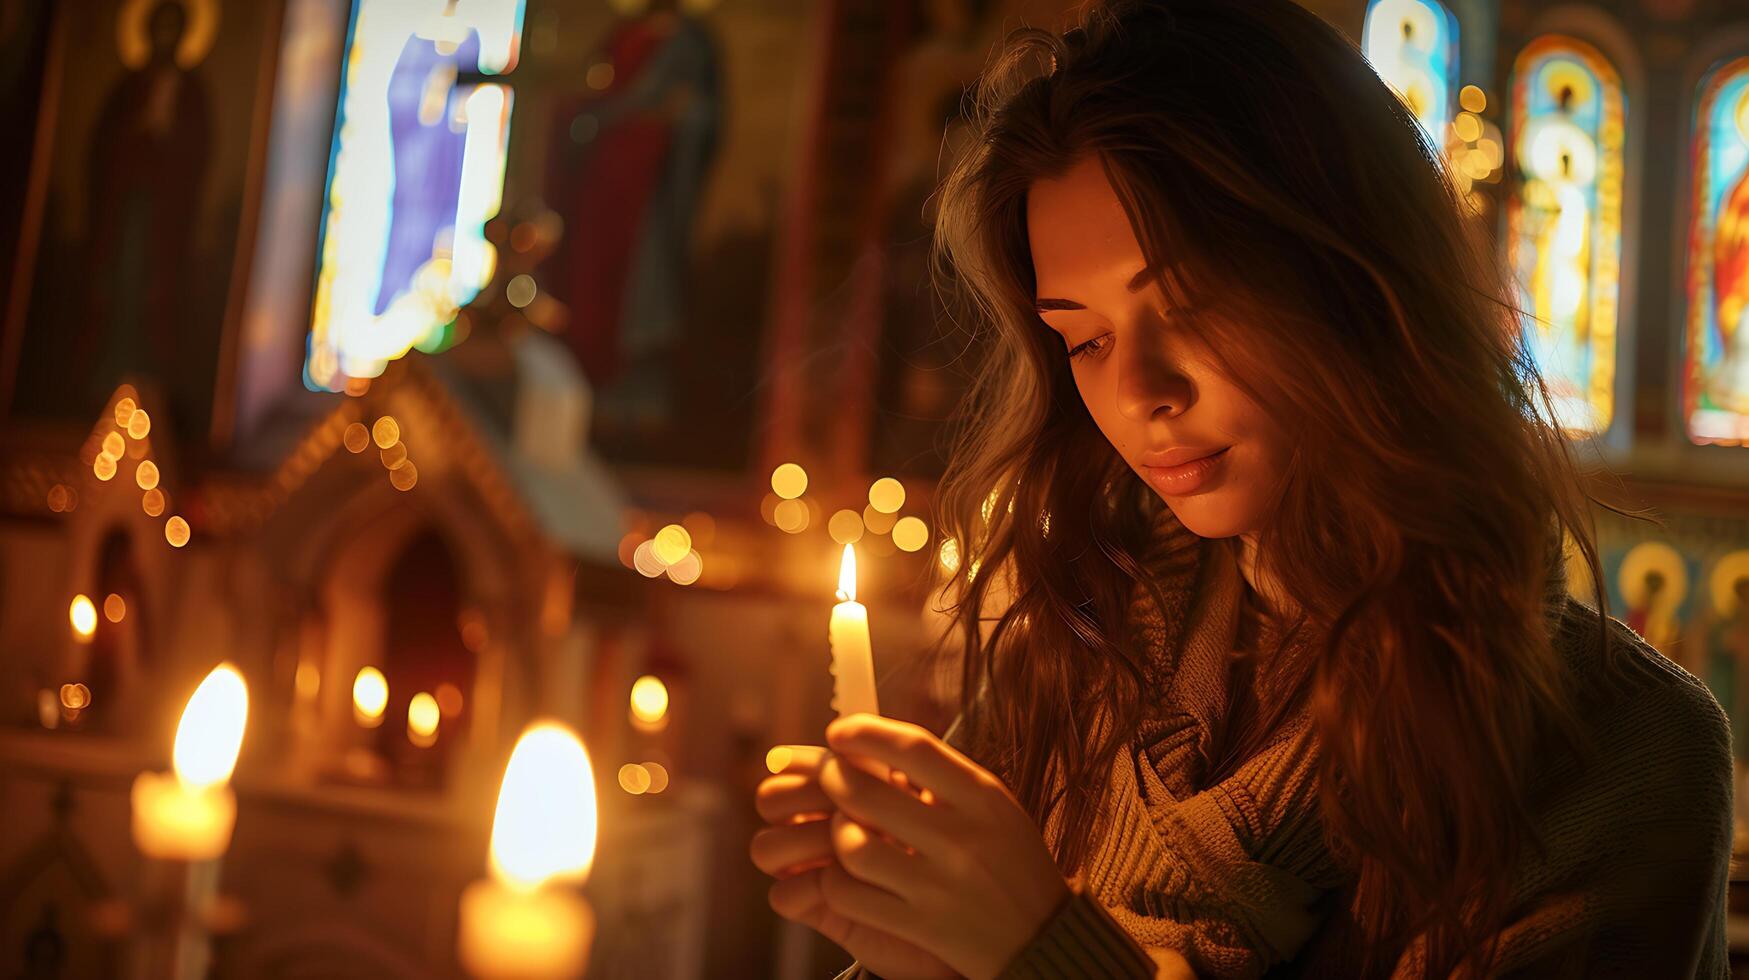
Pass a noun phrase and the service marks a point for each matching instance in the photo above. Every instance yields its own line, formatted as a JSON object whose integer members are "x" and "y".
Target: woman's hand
{"x": 955, "y": 867}
{"x": 797, "y": 849}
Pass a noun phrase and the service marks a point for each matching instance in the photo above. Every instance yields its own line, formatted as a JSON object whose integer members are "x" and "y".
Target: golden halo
{"x": 1740, "y": 112}
{"x": 197, "y": 37}
{"x": 1650, "y": 556}
{"x": 1569, "y": 74}
{"x": 1726, "y": 572}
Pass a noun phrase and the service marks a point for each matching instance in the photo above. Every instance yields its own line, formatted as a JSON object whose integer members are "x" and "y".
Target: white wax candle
{"x": 175, "y": 821}
{"x": 853, "y": 684}
{"x": 188, "y": 815}
{"x": 509, "y": 934}
{"x": 525, "y": 922}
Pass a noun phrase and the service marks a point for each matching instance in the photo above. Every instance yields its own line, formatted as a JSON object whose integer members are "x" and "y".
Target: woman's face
{"x": 1206, "y": 447}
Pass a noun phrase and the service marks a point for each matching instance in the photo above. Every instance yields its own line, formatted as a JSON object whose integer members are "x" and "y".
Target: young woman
{"x": 1266, "y": 500}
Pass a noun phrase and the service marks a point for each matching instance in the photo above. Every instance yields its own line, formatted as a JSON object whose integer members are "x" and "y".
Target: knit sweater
{"x": 1238, "y": 877}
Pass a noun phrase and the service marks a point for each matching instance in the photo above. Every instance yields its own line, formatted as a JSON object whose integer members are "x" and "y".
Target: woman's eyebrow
{"x": 1045, "y": 304}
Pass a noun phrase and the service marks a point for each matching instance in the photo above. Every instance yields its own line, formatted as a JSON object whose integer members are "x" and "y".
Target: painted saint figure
{"x": 627, "y": 181}
{"x": 147, "y": 167}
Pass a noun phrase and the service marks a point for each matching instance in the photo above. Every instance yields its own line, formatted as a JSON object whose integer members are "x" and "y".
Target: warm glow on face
{"x": 649, "y": 699}
{"x": 545, "y": 824}
{"x": 211, "y": 731}
{"x": 422, "y": 715}
{"x": 83, "y": 615}
{"x": 847, "y": 575}
{"x": 370, "y": 692}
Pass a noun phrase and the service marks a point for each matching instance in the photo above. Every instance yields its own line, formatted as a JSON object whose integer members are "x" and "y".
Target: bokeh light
{"x": 877, "y": 521}
{"x": 357, "y": 438}
{"x": 423, "y": 714}
{"x": 146, "y": 475}
{"x": 449, "y": 700}
{"x": 370, "y": 696}
{"x": 520, "y": 291}
{"x": 139, "y": 424}
{"x": 687, "y": 570}
{"x": 405, "y": 476}
{"x": 83, "y": 615}
{"x": 176, "y": 531}
{"x": 114, "y": 608}
{"x": 672, "y": 543}
{"x": 386, "y": 432}
{"x": 949, "y": 554}
{"x": 789, "y": 481}
{"x": 910, "y": 534}
{"x": 634, "y": 778}
{"x": 658, "y": 774}
{"x": 791, "y": 516}
{"x": 114, "y": 445}
{"x": 1472, "y": 99}
{"x": 887, "y": 495}
{"x": 103, "y": 467}
{"x": 645, "y": 561}
{"x": 845, "y": 526}
{"x": 649, "y": 700}
{"x": 152, "y": 502}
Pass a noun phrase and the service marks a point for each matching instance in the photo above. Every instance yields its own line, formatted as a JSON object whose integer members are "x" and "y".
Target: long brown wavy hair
{"x": 1345, "y": 287}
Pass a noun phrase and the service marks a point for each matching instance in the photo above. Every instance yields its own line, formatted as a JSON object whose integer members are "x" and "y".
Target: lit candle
{"x": 853, "y": 681}
{"x": 527, "y": 920}
{"x": 187, "y": 815}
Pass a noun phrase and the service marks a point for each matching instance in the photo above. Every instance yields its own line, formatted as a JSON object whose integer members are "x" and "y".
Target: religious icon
{"x": 1412, "y": 44}
{"x": 420, "y": 150}
{"x": 148, "y": 180}
{"x": 1654, "y": 582}
{"x": 1716, "y": 351}
{"x": 632, "y": 157}
{"x": 1565, "y": 222}
{"x": 1727, "y": 639}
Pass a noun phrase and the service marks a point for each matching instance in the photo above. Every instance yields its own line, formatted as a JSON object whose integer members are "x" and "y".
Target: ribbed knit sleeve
{"x": 1081, "y": 940}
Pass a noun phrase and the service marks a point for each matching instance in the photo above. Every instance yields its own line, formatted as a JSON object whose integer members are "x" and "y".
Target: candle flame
{"x": 370, "y": 692}
{"x": 545, "y": 824}
{"x": 83, "y": 615}
{"x": 211, "y": 731}
{"x": 847, "y": 575}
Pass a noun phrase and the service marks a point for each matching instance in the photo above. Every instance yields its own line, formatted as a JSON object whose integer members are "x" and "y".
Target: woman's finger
{"x": 786, "y": 851}
{"x": 869, "y": 905}
{"x": 804, "y": 759}
{"x": 872, "y": 858}
{"x": 791, "y": 797}
{"x": 926, "y": 760}
{"x": 878, "y": 804}
{"x": 798, "y": 897}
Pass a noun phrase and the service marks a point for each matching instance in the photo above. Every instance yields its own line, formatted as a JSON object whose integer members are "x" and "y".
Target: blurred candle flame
{"x": 544, "y": 827}
{"x": 211, "y": 731}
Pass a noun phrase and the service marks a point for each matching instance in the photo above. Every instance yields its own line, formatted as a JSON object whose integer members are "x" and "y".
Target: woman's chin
{"x": 1208, "y": 518}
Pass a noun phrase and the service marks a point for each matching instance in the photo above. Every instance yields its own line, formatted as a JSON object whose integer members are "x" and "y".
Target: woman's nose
{"x": 1149, "y": 383}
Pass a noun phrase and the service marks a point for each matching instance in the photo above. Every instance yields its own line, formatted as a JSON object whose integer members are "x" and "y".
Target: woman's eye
{"x": 1093, "y": 346}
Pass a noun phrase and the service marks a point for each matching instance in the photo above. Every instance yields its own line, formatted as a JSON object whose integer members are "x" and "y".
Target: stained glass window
{"x": 417, "y": 170}
{"x": 1715, "y": 383}
{"x": 1412, "y": 44}
{"x": 1564, "y": 222}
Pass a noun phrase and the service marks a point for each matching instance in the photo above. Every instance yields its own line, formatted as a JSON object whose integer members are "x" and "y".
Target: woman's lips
{"x": 1185, "y": 478}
